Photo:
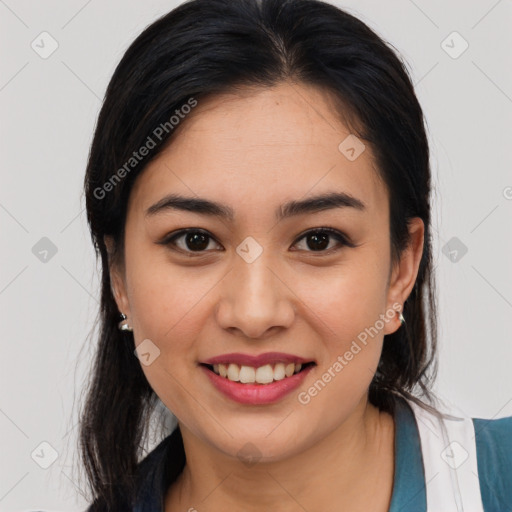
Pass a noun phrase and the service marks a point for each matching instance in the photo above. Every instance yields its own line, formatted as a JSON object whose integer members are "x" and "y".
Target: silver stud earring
{"x": 402, "y": 319}
{"x": 123, "y": 324}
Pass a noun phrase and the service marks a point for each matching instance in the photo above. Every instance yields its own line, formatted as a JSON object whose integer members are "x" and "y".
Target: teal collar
{"x": 409, "y": 492}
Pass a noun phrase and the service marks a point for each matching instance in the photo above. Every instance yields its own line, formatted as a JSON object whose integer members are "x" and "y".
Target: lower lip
{"x": 256, "y": 394}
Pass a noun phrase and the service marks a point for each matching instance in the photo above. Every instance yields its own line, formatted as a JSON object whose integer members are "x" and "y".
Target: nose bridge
{"x": 255, "y": 299}
{"x": 256, "y": 282}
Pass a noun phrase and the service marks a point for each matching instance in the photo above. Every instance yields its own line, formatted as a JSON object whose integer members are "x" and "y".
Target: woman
{"x": 258, "y": 189}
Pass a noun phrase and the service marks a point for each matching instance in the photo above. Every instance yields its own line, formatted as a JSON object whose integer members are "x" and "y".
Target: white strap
{"x": 449, "y": 458}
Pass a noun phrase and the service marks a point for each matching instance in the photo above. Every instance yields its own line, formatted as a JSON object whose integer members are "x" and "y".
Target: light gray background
{"x": 48, "y": 112}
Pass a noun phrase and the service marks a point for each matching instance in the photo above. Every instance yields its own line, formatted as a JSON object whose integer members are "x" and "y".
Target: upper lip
{"x": 256, "y": 361}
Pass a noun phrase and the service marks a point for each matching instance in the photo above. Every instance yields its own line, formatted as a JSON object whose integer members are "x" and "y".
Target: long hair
{"x": 206, "y": 47}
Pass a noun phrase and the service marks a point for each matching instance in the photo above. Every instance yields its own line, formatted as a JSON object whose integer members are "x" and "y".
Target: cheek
{"x": 165, "y": 300}
{"x": 347, "y": 306}
{"x": 352, "y": 343}
{"x": 169, "y": 306}
{"x": 347, "y": 299}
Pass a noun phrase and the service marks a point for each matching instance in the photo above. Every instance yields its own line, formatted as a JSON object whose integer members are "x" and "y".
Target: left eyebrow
{"x": 290, "y": 209}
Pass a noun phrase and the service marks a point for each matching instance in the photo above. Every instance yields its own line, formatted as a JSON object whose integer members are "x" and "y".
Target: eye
{"x": 318, "y": 239}
{"x": 193, "y": 240}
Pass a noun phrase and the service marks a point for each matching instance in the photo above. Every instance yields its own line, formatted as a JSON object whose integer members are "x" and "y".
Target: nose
{"x": 255, "y": 300}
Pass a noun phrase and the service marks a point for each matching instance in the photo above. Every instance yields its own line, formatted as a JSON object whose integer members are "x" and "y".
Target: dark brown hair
{"x": 205, "y": 47}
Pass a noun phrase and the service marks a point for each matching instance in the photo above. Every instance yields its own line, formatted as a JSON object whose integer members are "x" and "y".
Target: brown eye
{"x": 318, "y": 240}
{"x": 193, "y": 240}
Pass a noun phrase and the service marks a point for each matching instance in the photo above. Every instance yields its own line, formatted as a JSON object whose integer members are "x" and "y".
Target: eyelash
{"x": 169, "y": 240}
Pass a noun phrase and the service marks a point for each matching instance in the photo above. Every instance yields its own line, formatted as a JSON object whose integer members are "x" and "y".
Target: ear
{"x": 404, "y": 272}
{"x": 117, "y": 278}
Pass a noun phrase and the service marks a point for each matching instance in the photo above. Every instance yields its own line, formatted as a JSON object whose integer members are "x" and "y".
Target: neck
{"x": 337, "y": 470}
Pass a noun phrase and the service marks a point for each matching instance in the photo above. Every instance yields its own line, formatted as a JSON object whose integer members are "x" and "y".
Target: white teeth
{"x": 223, "y": 371}
{"x": 265, "y": 374}
{"x": 279, "y": 371}
{"x": 247, "y": 374}
{"x": 233, "y": 372}
{"x": 261, "y": 375}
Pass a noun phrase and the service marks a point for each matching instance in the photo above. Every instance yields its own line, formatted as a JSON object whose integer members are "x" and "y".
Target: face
{"x": 266, "y": 279}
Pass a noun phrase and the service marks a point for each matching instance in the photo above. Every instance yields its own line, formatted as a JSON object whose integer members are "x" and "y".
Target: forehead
{"x": 257, "y": 148}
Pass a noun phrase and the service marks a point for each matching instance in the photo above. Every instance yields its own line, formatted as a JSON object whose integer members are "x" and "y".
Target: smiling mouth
{"x": 266, "y": 374}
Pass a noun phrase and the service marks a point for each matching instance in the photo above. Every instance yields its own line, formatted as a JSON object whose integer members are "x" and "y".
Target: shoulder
{"x": 466, "y": 447}
{"x": 493, "y": 438}
{"x": 154, "y": 473}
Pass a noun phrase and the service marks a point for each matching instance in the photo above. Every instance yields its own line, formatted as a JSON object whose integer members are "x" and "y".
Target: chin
{"x": 270, "y": 442}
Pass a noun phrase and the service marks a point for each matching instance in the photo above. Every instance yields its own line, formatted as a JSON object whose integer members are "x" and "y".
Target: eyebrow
{"x": 203, "y": 206}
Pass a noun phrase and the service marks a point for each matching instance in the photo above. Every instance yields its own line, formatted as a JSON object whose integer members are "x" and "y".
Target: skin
{"x": 254, "y": 151}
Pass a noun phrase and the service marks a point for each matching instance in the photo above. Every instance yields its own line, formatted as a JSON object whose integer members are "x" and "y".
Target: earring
{"x": 401, "y": 318}
{"x": 123, "y": 324}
